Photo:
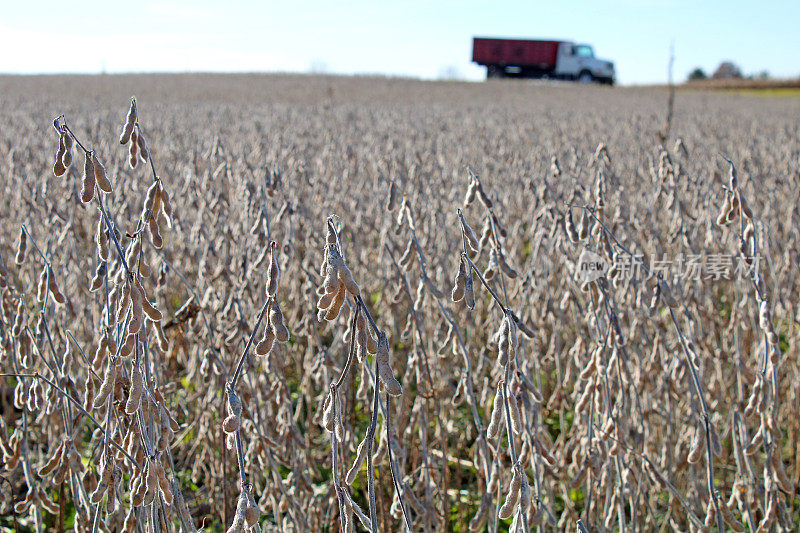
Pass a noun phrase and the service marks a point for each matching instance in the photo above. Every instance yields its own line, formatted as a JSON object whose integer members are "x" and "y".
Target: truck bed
{"x": 517, "y": 52}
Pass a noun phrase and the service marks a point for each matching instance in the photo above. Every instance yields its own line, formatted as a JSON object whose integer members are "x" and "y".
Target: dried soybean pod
{"x": 138, "y": 490}
{"x": 166, "y": 205}
{"x": 22, "y": 247}
{"x": 391, "y": 201}
{"x": 497, "y": 415}
{"x": 514, "y": 414}
{"x": 53, "y": 462}
{"x": 41, "y": 287}
{"x": 130, "y": 120}
{"x": 108, "y": 384}
{"x": 88, "y": 395}
{"x": 135, "y": 394}
{"x": 125, "y": 136}
{"x": 100, "y": 175}
{"x": 73, "y": 458}
{"x": 482, "y": 195}
{"x": 163, "y": 342}
{"x": 492, "y": 266}
{"x": 512, "y": 497}
{"x": 407, "y": 259}
{"x": 163, "y": 483}
{"x": 510, "y": 272}
{"x": 58, "y": 167}
{"x": 697, "y": 448}
{"x": 569, "y": 226}
{"x": 361, "y": 454}
{"x": 151, "y": 483}
{"x": 486, "y": 233}
{"x": 583, "y": 226}
{"x": 99, "y": 492}
{"x": 525, "y": 495}
{"x": 19, "y": 319}
{"x": 135, "y": 323}
{"x": 722, "y": 216}
{"x": 150, "y": 200}
{"x": 239, "y": 518}
{"x": 144, "y": 153}
{"x": 231, "y": 423}
{"x": 101, "y": 239}
{"x": 272, "y": 271}
{"x": 149, "y": 309}
{"x": 66, "y": 157}
{"x": 346, "y": 277}
{"x": 729, "y": 517}
{"x": 331, "y": 282}
{"x": 87, "y": 191}
{"x": 265, "y": 345}
{"x": 127, "y": 348}
{"x": 58, "y": 296}
{"x": 337, "y": 421}
{"x": 459, "y": 285}
{"x": 764, "y": 319}
{"x": 276, "y": 323}
{"x": 390, "y": 383}
{"x": 784, "y": 481}
{"x": 251, "y": 514}
{"x": 155, "y": 235}
{"x": 133, "y": 158}
{"x": 333, "y": 310}
{"x": 733, "y": 177}
{"x": 327, "y": 413}
{"x": 472, "y": 239}
{"x": 372, "y": 342}
{"x": 472, "y": 189}
{"x": 100, "y": 354}
{"x": 469, "y": 291}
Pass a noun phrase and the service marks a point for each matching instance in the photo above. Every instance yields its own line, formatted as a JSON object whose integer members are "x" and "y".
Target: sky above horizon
{"x": 426, "y": 39}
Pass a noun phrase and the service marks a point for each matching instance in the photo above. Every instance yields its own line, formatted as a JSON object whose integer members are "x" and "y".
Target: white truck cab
{"x": 577, "y": 62}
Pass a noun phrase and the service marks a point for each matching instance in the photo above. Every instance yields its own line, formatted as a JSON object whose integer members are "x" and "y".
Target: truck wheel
{"x": 585, "y": 77}
{"x": 494, "y": 72}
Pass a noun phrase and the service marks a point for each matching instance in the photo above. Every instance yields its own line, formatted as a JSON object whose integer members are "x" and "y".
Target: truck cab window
{"x": 584, "y": 51}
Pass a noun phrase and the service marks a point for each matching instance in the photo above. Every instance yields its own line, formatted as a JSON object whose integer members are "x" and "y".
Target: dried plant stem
{"x": 240, "y": 364}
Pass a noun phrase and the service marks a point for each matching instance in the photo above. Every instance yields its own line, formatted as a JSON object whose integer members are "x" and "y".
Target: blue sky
{"x": 401, "y": 37}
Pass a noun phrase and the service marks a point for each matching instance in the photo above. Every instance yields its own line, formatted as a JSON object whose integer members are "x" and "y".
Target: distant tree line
{"x": 727, "y": 70}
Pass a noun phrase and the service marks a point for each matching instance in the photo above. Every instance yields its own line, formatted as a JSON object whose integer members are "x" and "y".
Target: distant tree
{"x": 727, "y": 70}
{"x": 763, "y": 75}
{"x": 697, "y": 74}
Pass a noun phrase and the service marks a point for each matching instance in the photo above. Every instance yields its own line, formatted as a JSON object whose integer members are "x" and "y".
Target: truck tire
{"x": 585, "y": 77}
{"x": 493, "y": 71}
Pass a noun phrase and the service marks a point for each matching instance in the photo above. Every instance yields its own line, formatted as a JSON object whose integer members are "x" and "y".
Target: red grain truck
{"x": 527, "y": 58}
